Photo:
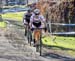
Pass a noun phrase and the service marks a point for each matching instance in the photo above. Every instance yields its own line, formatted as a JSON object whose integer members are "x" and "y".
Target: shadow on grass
{"x": 59, "y": 47}
{"x": 57, "y": 56}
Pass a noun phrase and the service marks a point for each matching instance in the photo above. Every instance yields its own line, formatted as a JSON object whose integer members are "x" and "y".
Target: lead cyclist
{"x": 37, "y": 21}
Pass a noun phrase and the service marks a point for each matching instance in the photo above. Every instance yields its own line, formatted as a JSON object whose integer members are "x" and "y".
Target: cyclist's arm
{"x": 24, "y": 18}
{"x": 31, "y": 20}
{"x": 43, "y": 19}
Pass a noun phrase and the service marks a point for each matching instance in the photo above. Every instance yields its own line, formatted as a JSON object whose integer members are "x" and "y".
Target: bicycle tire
{"x": 25, "y": 32}
{"x": 40, "y": 46}
{"x": 37, "y": 48}
{"x": 29, "y": 36}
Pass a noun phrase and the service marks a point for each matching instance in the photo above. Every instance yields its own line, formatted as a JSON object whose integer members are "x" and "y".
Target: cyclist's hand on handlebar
{"x": 32, "y": 29}
{"x": 29, "y": 27}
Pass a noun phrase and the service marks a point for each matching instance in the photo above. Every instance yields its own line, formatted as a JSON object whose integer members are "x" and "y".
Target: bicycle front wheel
{"x": 29, "y": 37}
{"x": 39, "y": 46}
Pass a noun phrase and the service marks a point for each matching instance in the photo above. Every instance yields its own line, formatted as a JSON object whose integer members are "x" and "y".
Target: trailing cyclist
{"x": 26, "y": 19}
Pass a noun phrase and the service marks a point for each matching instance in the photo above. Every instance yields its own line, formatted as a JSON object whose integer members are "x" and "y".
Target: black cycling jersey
{"x": 27, "y": 17}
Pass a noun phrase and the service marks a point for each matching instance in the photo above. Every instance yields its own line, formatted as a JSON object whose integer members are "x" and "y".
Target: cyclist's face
{"x": 36, "y": 15}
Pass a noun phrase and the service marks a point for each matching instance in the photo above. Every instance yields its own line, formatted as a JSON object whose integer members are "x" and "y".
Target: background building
{"x": 18, "y": 2}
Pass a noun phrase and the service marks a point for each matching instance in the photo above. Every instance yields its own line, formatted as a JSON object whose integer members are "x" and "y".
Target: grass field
{"x": 18, "y": 16}
{"x": 3, "y": 24}
{"x": 59, "y": 41}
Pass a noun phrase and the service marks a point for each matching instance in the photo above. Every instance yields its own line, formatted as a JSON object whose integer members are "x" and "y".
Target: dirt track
{"x": 14, "y": 47}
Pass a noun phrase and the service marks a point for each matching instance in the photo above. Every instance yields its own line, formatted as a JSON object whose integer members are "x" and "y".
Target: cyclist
{"x": 37, "y": 21}
{"x": 26, "y": 19}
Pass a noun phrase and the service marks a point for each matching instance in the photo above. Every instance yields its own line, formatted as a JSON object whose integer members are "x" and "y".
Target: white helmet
{"x": 36, "y": 11}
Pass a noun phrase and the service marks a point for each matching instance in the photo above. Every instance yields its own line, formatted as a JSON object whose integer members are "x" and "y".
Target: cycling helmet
{"x": 36, "y": 11}
{"x": 29, "y": 10}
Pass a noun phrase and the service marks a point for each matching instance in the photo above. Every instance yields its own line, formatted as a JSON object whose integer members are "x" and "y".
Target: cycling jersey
{"x": 26, "y": 18}
{"x": 38, "y": 19}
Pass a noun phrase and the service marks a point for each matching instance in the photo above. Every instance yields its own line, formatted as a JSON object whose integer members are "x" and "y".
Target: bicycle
{"x": 28, "y": 34}
{"x": 37, "y": 39}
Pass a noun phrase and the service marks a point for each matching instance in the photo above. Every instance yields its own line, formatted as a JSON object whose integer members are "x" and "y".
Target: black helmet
{"x": 29, "y": 10}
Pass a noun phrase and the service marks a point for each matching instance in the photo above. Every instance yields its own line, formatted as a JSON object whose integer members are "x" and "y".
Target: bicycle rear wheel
{"x": 29, "y": 37}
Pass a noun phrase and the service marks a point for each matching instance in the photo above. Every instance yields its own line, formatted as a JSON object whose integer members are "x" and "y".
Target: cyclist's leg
{"x": 36, "y": 34}
{"x": 30, "y": 35}
{"x": 43, "y": 29}
{"x": 36, "y": 37}
{"x": 25, "y": 30}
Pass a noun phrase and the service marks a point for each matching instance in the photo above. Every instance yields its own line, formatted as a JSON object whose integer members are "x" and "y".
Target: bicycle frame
{"x": 37, "y": 37}
{"x": 37, "y": 34}
{"x": 28, "y": 34}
